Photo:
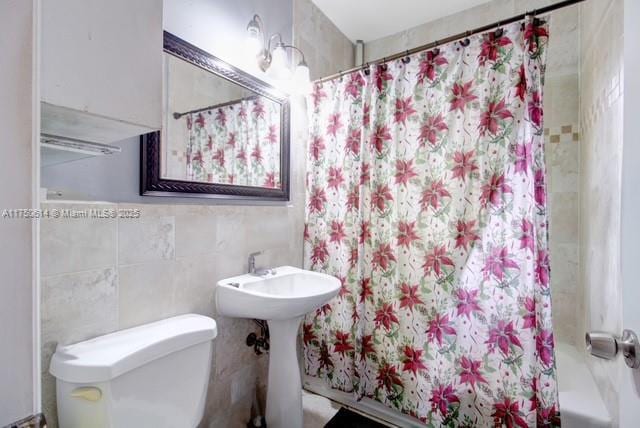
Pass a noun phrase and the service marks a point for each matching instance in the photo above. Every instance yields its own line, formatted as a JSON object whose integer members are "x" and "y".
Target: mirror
{"x": 225, "y": 133}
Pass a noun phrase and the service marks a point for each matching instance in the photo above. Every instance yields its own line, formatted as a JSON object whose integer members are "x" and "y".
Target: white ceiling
{"x": 371, "y": 19}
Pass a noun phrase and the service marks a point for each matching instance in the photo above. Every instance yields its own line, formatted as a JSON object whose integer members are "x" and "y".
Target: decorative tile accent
{"x": 562, "y": 134}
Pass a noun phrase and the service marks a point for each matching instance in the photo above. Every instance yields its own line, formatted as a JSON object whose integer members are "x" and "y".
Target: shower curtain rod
{"x": 453, "y": 38}
{"x": 176, "y": 115}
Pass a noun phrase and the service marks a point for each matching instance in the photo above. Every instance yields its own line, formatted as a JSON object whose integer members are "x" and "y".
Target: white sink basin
{"x": 282, "y": 299}
{"x": 290, "y": 293}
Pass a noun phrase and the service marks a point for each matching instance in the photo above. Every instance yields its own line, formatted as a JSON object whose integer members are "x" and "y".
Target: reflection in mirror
{"x": 217, "y": 131}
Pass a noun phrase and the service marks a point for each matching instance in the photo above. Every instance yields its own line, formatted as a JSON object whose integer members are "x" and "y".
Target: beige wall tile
{"x": 146, "y": 292}
{"x": 76, "y": 244}
{"x": 564, "y": 269}
{"x": 326, "y": 49}
{"x": 146, "y": 239}
{"x": 195, "y": 285}
{"x": 74, "y": 307}
{"x": 564, "y": 319}
{"x": 195, "y": 234}
{"x": 565, "y": 216}
{"x": 77, "y": 306}
{"x": 601, "y": 154}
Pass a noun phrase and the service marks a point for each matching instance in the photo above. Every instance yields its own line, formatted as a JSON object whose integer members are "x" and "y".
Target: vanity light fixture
{"x": 271, "y": 55}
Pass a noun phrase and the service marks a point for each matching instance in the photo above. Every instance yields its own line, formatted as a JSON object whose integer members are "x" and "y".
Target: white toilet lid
{"x": 106, "y": 357}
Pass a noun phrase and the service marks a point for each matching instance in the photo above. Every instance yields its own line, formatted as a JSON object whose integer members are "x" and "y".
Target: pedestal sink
{"x": 281, "y": 297}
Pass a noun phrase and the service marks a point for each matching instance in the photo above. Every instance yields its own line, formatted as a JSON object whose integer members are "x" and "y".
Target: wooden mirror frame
{"x": 151, "y": 181}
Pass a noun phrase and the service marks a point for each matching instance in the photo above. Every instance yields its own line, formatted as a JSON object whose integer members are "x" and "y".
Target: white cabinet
{"x": 101, "y": 68}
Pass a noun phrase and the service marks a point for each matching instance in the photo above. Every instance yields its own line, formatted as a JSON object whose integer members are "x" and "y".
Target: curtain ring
{"x": 406, "y": 59}
{"x": 367, "y": 69}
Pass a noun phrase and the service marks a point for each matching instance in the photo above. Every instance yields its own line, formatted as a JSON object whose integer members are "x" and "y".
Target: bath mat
{"x": 347, "y": 419}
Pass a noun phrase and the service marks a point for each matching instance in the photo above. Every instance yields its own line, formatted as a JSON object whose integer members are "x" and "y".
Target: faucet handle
{"x": 254, "y": 254}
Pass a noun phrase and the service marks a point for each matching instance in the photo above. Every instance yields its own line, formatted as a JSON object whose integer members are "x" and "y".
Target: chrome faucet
{"x": 251, "y": 262}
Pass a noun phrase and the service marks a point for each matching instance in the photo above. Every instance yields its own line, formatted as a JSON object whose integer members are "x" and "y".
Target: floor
{"x": 318, "y": 410}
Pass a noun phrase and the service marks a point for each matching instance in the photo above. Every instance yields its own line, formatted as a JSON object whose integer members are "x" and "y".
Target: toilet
{"x": 154, "y": 375}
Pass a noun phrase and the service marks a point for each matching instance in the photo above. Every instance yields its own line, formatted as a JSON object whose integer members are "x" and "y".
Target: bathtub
{"x": 580, "y": 402}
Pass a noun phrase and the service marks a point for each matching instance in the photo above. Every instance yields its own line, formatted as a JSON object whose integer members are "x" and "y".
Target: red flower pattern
{"x": 410, "y": 296}
{"x": 507, "y": 413}
{"x": 466, "y": 234}
{"x": 381, "y": 196}
{"x": 524, "y": 157}
{"x": 432, "y": 129}
{"x": 412, "y": 361}
{"x": 470, "y": 372}
{"x": 461, "y": 96}
{"x": 337, "y": 231}
{"x": 317, "y": 147}
{"x": 439, "y": 326}
{"x": 320, "y": 253}
{"x": 335, "y": 177}
{"x": 442, "y": 397}
{"x": 435, "y": 260}
{"x": 380, "y": 136}
{"x": 342, "y": 344}
{"x": 404, "y": 109}
{"x": 503, "y": 336}
{"x": 464, "y": 164}
{"x": 386, "y": 316}
{"x": 352, "y": 144}
{"x": 404, "y": 171}
{"x": 406, "y": 234}
{"x": 529, "y": 317}
{"x": 388, "y": 377}
{"x": 467, "y": 302}
{"x": 433, "y": 194}
{"x": 334, "y": 124}
{"x": 491, "y": 46}
{"x": 491, "y": 117}
{"x": 493, "y": 191}
{"x": 430, "y": 65}
{"x": 382, "y": 256}
{"x": 498, "y": 261}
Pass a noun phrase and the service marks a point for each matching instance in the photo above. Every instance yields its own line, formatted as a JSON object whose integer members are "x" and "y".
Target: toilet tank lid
{"x": 105, "y": 357}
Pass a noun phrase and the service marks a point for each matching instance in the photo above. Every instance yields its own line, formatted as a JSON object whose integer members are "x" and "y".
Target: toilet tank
{"x": 154, "y": 375}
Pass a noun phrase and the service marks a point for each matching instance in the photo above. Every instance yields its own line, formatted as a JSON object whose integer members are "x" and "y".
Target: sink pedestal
{"x": 282, "y": 297}
{"x": 284, "y": 394}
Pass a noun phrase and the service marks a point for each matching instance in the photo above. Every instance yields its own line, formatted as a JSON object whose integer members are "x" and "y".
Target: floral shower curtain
{"x": 426, "y": 197}
{"x": 238, "y": 143}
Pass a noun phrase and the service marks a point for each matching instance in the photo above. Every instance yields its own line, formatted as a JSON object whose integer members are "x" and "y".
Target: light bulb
{"x": 279, "y": 69}
{"x": 253, "y": 45}
{"x": 301, "y": 79}
{"x": 253, "y": 41}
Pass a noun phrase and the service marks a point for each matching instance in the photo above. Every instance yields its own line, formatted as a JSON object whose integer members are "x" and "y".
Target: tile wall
{"x": 327, "y": 50}
{"x": 601, "y": 106}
